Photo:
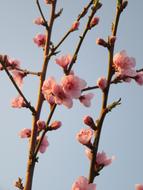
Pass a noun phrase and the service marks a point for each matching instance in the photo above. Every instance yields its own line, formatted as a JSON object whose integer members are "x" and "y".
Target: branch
{"x": 93, "y": 173}
{"x": 28, "y": 105}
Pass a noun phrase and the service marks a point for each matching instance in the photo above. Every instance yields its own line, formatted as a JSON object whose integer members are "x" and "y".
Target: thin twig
{"x": 42, "y": 15}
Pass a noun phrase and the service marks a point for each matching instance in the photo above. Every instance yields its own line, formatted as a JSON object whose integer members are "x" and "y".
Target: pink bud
{"x": 102, "y": 83}
{"x": 139, "y": 78}
{"x": 89, "y": 121}
{"x": 39, "y": 21}
{"x": 112, "y": 39}
{"x": 56, "y": 125}
{"x": 94, "y": 22}
{"x": 75, "y": 26}
{"x": 41, "y": 125}
{"x": 101, "y": 42}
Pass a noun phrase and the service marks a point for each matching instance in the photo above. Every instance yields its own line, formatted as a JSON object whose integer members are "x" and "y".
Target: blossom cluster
{"x": 70, "y": 88}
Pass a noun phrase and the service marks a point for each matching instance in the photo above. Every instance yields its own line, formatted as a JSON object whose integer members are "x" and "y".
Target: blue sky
{"x": 122, "y": 132}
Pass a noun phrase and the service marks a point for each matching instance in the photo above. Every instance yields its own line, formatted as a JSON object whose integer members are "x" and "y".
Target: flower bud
{"x": 89, "y": 121}
{"x": 94, "y": 22}
{"x": 75, "y": 26}
{"x": 56, "y": 124}
{"x": 101, "y": 42}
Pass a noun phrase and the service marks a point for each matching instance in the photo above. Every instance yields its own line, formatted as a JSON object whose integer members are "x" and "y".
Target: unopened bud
{"x": 112, "y": 40}
{"x": 94, "y": 22}
{"x": 56, "y": 124}
{"x": 75, "y": 26}
{"x": 41, "y": 125}
{"x": 101, "y": 42}
{"x": 89, "y": 121}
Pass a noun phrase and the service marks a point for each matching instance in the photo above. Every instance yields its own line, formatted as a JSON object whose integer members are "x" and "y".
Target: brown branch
{"x": 92, "y": 173}
{"x": 33, "y": 139}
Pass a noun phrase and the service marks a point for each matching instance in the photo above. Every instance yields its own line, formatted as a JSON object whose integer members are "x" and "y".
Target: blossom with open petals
{"x": 40, "y": 40}
{"x": 18, "y": 102}
{"x": 82, "y": 184}
{"x": 124, "y": 65}
{"x": 72, "y": 85}
{"x": 25, "y": 133}
{"x": 60, "y": 97}
{"x": 64, "y": 61}
{"x": 86, "y": 99}
{"x": 84, "y": 136}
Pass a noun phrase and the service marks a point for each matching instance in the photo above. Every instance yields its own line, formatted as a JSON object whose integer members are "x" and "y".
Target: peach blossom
{"x": 82, "y": 184}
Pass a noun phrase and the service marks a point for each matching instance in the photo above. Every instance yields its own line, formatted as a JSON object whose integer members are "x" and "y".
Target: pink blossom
{"x": 64, "y": 61}
{"x": 139, "y": 187}
{"x": 39, "y": 21}
{"x": 124, "y": 65}
{"x": 41, "y": 125}
{"x": 60, "y": 97}
{"x": 89, "y": 121}
{"x": 72, "y": 85}
{"x": 94, "y": 21}
{"x": 18, "y": 102}
{"x": 43, "y": 145}
{"x": 84, "y": 136}
{"x": 102, "y": 159}
{"x": 56, "y": 124}
{"x": 47, "y": 89}
{"x": 10, "y": 63}
{"x": 82, "y": 184}
{"x": 18, "y": 77}
{"x": 86, "y": 99}
{"x": 40, "y": 40}
{"x": 139, "y": 78}
{"x": 75, "y": 26}
{"x": 102, "y": 83}
{"x": 25, "y": 133}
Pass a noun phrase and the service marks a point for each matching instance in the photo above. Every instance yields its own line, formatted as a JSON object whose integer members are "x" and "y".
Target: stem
{"x": 33, "y": 139}
{"x": 92, "y": 173}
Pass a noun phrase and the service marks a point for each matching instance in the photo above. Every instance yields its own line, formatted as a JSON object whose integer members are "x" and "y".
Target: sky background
{"x": 65, "y": 159}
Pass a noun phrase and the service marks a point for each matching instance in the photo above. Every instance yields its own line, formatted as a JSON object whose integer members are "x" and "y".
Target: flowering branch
{"x": 93, "y": 173}
{"x": 82, "y": 14}
{"x": 95, "y": 7}
{"x": 33, "y": 141}
{"x": 28, "y": 105}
